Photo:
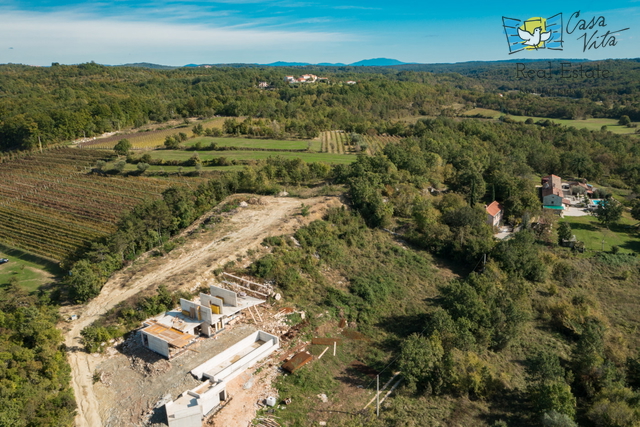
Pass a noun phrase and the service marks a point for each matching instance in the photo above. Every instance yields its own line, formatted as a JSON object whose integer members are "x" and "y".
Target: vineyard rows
{"x": 51, "y": 204}
{"x": 339, "y": 142}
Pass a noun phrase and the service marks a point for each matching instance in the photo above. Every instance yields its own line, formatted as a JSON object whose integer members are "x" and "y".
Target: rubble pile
{"x": 149, "y": 369}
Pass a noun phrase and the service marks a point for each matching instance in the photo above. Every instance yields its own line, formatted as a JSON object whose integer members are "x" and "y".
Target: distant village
{"x": 304, "y": 78}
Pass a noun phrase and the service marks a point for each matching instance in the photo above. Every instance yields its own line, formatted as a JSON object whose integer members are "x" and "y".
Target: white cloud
{"x": 41, "y": 38}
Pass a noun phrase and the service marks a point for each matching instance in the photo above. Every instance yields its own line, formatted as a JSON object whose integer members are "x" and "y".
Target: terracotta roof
{"x": 493, "y": 208}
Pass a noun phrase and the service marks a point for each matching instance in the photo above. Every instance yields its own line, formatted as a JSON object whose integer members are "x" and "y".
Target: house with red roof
{"x": 494, "y": 213}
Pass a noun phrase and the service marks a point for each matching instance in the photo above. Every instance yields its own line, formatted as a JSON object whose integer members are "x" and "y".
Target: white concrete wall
{"x": 199, "y": 371}
{"x": 211, "y": 398}
{"x": 208, "y": 300}
{"x": 157, "y": 344}
{"x": 245, "y": 362}
{"x": 190, "y": 417}
{"x": 229, "y": 297}
{"x": 205, "y": 312}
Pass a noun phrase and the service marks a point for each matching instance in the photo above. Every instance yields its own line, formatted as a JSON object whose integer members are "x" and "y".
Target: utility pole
{"x": 378, "y": 395}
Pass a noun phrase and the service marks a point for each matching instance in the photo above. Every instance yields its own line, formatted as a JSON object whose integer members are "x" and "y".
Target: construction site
{"x": 177, "y": 369}
{"x": 215, "y": 359}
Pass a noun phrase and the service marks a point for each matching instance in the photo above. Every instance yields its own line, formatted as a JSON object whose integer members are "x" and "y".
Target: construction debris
{"x": 326, "y": 341}
{"x": 298, "y": 361}
{"x": 149, "y": 369}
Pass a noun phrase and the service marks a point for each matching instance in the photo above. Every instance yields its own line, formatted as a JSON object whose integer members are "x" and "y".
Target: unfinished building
{"x": 172, "y": 332}
{"x": 192, "y": 406}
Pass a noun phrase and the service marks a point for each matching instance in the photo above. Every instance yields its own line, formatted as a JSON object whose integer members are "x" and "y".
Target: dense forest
{"x": 60, "y": 103}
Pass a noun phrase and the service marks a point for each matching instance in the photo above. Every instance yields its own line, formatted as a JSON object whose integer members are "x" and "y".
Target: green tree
{"x": 119, "y": 166}
{"x": 624, "y": 120}
{"x": 421, "y": 362}
{"x": 564, "y": 232}
{"x": 198, "y": 129}
{"x": 122, "y": 147}
{"x": 142, "y": 167}
{"x": 553, "y": 396}
{"x": 556, "y": 419}
{"x": 608, "y": 211}
{"x": 172, "y": 142}
{"x": 83, "y": 282}
{"x": 543, "y": 366}
{"x": 635, "y": 209}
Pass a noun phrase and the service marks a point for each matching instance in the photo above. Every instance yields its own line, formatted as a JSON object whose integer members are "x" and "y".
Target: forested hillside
{"x": 60, "y": 103}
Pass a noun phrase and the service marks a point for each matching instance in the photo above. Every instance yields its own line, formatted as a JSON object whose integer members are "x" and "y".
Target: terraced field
{"x": 51, "y": 203}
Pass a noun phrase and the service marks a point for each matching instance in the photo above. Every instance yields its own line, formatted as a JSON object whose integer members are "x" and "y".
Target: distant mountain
{"x": 377, "y": 62}
{"x": 149, "y": 65}
{"x": 287, "y": 64}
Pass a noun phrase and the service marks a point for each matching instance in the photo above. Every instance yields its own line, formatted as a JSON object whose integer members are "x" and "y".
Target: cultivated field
{"x": 51, "y": 203}
{"x": 149, "y": 139}
{"x": 339, "y": 142}
{"x": 252, "y": 155}
{"x": 589, "y": 124}
{"x": 250, "y": 143}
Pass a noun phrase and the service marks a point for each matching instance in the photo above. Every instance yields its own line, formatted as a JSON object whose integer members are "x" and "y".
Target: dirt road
{"x": 242, "y": 231}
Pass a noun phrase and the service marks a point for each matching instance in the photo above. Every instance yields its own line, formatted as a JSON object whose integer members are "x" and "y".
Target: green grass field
{"x": 174, "y": 169}
{"x": 589, "y": 124}
{"x": 28, "y": 270}
{"x": 251, "y": 143}
{"x": 252, "y": 155}
{"x": 588, "y": 230}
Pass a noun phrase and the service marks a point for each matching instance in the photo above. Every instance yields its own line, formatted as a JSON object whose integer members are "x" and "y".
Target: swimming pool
{"x": 597, "y": 201}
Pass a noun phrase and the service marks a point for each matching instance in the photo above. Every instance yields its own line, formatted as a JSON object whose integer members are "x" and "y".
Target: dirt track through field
{"x": 243, "y": 231}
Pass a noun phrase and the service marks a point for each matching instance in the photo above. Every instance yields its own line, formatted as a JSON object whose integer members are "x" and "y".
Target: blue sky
{"x": 178, "y": 32}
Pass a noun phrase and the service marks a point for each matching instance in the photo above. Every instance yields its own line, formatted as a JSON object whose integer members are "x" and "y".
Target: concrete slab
{"x": 575, "y": 211}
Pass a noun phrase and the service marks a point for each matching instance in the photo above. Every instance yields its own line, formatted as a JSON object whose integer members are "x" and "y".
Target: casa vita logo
{"x": 548, "y": 33}
{"x": 534, "y": 33}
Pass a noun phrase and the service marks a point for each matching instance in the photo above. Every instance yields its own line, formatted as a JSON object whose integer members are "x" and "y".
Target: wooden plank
{"x": 255, "y": 307}
{"x": 323, "y": 352}
{"x": 383, "y": 388}
{"x": 298, "y": 361}
{"x": 248, "y": 289}
{"x": 326, "y": 341}
{"x": 244, "y": 280}
{"x": 251, "y": 313}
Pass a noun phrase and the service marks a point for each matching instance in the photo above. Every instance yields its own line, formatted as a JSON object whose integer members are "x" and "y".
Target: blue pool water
{"x": 597, "y": 201}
